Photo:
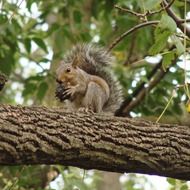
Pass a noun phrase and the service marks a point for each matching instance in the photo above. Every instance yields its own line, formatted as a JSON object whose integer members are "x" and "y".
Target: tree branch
{"x": 131, "y": 49}
{"x": 154, "y": 77}
{"x": 184, "y": 20}
{"x": 140, "y": 96}
{"x": 117, "y": 40}
{"x": 130, "y": 11}
{"x": 147, "y": 13}
{"x": 125, "y": 108}
{"x": 178, "y": 21}
{"x": 37, "y": 135}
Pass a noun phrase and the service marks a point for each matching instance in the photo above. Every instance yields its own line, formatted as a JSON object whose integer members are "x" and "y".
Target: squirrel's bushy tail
{"x": 97, "y": 61}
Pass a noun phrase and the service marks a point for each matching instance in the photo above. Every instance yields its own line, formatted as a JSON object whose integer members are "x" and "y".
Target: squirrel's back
{"x": 97, "y": 61}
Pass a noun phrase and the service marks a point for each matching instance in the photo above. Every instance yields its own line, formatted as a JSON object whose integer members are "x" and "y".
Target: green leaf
{"x": 3, "y": 19}
{"x": 16, "y": 25}
{"x": 29, "y": 88}
{"x": 40, "y": 43}
{"x": 6, "y": 68}
{"x": 7, "y": 60}
{"x": 27, "y": 44}
{"x": 29, "y": 25}
{"x": 77, "y": 16}
{"x": 167, "y": 23}
{"x": 44, "y": 60}
{"x": 184, "y": 187}
{"x": 160, "y": 43}
{"x": 180, "y": 47}
{"x": 35, "y": 78}
{"x": 171, "y": 181}
{"x": 53, "y": 28}
{"x": 167, "y": 59}
{"x": 42, "y": 90}
{"x": 151, "y": 4}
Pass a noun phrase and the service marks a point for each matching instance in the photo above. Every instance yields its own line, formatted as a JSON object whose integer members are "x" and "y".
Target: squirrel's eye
{"x": 68, "y": 70}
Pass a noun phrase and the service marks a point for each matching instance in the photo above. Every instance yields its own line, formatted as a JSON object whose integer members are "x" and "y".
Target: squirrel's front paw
{"x": 69, "y": 91}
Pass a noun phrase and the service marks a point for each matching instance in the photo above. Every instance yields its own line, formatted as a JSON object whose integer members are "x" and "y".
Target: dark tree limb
{"x": 176, "y": 19}
{"x": 37, "y": 135}
{"x": 154, "y": 77}
{"x": 140, "y": 92}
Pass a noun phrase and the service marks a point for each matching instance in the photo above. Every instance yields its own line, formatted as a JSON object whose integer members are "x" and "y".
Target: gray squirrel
{"x": 85, "y": 80}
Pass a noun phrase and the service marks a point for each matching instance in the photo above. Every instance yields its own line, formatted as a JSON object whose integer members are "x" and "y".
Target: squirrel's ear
{"x": 76, "y": 61}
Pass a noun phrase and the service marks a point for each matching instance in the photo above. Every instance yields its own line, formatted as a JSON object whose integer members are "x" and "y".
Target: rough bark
{"x": 37, "y": 135}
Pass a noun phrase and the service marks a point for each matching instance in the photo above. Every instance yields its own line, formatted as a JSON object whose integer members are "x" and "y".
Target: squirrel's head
{"x": 67, "y": 73}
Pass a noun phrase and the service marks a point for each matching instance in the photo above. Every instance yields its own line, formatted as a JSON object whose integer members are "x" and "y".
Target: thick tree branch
{"x": 140, "y": 92}
{"x": 36, "y": 135}
{"x": 154, "y": 77}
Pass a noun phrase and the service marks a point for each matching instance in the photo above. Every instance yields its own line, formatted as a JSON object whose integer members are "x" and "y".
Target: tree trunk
{"x": 109, "y": 180}
{"x": 37, "y": 135}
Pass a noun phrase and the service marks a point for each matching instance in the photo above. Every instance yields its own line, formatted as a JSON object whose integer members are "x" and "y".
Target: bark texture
{"x": 37, "y": 135}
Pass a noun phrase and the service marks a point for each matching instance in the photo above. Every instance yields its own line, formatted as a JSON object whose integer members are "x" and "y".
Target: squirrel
{"x": 85, "y": 81}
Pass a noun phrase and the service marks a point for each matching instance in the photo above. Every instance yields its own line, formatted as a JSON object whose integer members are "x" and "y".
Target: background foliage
{"x": 35, "y": 34}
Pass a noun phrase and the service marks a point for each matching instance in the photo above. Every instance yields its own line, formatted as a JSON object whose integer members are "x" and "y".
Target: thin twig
{"x": 131, "y": 49}
{"x": 184, "y": 20}
{"x": 117, "y": 40}
{"x": 162, "y": 9}
{"x": 15, "y": 11}
{"x": 147, "y": 13}
{"x": 130, "y": 11}
{"x": 171, "y": 98}
{"x": 183, "y": 36}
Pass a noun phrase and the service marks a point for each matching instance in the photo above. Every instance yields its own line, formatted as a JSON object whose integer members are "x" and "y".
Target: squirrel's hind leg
{"x": 93, "y": 98}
